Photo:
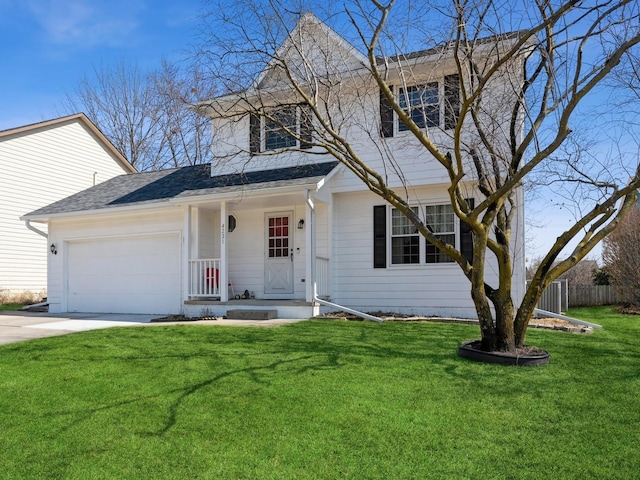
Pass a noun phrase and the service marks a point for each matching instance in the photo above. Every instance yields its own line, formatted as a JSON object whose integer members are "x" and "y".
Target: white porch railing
{"x": 204, "y": 277}
{"x": 322, "y": 276}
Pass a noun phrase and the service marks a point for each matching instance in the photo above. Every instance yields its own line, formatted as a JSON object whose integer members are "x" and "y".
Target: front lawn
{"x": 11, "y": 306}
{"x": 319, "y": 399}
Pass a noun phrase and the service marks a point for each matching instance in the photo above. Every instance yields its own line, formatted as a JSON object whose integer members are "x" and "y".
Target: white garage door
{"x": 125, "y": 275}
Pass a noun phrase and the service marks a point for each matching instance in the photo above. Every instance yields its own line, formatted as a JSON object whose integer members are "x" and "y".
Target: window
{"x": 278, "y": 237}
{"x": 400, "y": 239}
{"x": 285, "y": 127}
{"x": 405, "y": 240}
{"x": 277, "y": 127}
{"x": 422, "y": 104}
{"x": 440, "y": 220}
{"x": 434, "y": 104}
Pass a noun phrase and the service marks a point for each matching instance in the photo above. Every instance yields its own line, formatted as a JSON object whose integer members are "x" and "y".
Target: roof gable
{"x": 76, "y": 117}
{"x": 311, "y": 48}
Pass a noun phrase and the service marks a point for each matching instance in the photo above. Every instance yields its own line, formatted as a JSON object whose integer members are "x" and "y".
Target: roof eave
{"x": 181, "y": 201}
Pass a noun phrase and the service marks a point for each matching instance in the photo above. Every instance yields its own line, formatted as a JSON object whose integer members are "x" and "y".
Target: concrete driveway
{"x": 20, "y": 326}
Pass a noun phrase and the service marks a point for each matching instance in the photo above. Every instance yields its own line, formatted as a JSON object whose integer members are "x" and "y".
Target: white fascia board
{"x": 98, "y": 211}
{"x": 233, "y": 195}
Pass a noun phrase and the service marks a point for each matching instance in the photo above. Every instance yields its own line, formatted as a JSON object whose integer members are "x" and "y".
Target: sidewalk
{"x": 20, "y": 326}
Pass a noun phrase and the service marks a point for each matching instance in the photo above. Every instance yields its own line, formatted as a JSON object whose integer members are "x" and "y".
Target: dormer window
{"x": 281, "y": 128}
{"x": 430, "y": 105}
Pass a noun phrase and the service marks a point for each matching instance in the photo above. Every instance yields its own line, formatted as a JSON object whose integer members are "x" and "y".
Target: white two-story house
{"x": 276, "y": 222}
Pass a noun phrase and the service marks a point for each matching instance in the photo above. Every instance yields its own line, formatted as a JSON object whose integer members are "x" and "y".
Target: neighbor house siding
{"x": 37, "y": 168}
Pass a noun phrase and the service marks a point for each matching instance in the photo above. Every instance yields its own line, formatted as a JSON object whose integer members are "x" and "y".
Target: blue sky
{"x": 48, "y": 45}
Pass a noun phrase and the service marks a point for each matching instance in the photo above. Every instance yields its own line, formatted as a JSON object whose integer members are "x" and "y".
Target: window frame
{"x": 449, "y": 98}
{"x": 420, "y": 92}
{"x": 422, "y": 241}
{"x": 273, "y": 124}
{"x": 431, "y": 251}
{"x": 263, "y": 123}
{"x": 413, "y": 238}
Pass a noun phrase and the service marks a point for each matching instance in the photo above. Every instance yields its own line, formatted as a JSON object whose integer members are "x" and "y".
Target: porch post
{"x": 310, "y": 247}
{"x": 186, "y": 253}
{"x": 224, "y": 282}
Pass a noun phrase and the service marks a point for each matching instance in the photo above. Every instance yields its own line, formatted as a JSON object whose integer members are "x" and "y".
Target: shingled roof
{"x": 163, "y": 185}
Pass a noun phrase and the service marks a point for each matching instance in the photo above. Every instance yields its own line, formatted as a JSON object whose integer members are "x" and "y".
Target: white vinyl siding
{"x": 38, "y": 168}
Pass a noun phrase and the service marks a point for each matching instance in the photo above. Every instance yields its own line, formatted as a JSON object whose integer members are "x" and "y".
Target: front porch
{"x": 264, "y": 243}
{"x": 205, "y": 282}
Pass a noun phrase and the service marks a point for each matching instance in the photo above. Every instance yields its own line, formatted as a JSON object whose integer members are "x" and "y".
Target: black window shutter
{"x": 386, "y": 116}
{"x": 379, "y": 236}
{"x": 451, "y": 101}
{"x": 466, "y": 236}
{"x": 254, "y": 133}
{"x": 306, "y": 126}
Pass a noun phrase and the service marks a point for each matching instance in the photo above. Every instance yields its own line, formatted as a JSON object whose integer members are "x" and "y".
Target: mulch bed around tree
{"x": 548, "y": 323}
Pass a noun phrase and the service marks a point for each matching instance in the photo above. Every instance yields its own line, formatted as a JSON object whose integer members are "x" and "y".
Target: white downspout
{"x": 544, "y": 313}
{"x": 27, "y": 223}
{"x": 314, "y": 283}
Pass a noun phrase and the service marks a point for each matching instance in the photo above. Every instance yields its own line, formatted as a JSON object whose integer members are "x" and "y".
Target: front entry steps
{"x": 251, "y": 314}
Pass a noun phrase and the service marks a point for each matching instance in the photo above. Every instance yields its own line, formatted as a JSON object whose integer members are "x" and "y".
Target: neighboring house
{"x": 40, "y": 164}
{"x": 291, "y": 229}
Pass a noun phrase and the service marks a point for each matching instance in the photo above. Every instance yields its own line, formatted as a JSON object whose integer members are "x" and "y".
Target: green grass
{"x": 11, "y": 306}
{"x": 319, "y": 399}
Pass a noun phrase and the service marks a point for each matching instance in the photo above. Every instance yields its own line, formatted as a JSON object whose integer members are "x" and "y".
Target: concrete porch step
{"x": 241, "y": 314}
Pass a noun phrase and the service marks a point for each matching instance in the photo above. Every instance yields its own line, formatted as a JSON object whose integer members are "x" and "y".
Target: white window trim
{"x": 441, "y": 106}
{"x": 263, "y": 132}
{"x": 422, "y": 240}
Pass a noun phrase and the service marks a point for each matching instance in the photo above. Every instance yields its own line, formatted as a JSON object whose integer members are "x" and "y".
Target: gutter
{"x": 565, "y": 318}
{"x": 312, "y": 223}
{"x": 27, "y": 223}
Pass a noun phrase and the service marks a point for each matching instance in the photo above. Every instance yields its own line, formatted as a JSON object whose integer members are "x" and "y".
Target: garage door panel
{"x": 125, "y": 275}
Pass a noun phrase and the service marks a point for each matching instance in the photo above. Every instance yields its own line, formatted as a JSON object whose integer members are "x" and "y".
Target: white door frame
{"x": 278, "y": 255}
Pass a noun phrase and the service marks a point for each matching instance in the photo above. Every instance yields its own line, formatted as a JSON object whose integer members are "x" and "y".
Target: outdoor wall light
{"x": 301, "y": 224}
{"x": 53, "y": 249}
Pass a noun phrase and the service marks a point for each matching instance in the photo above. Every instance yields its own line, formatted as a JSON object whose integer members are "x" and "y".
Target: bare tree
{"x": 621, "y": 256}
{"x": 582, "y": 273}
{"x": 147, "y": 115}
{"x": 520, "y": 73}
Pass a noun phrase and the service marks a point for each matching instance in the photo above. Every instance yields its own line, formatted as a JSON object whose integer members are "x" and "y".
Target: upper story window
{"x": 278, "y": 128}
{"x": 430, "y": 105}
{"x": 422, "y": 104}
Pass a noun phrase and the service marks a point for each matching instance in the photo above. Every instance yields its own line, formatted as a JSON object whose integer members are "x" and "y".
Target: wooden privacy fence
{"x": 560, "y": 296}
{"x": 592, "y": 295}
